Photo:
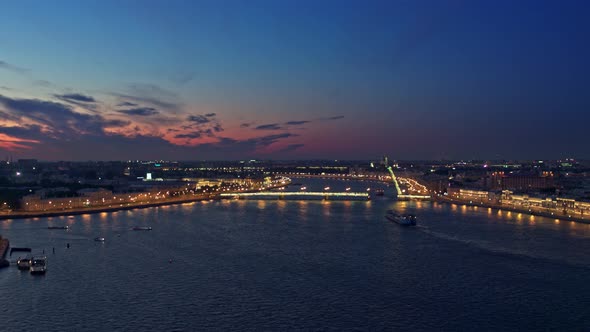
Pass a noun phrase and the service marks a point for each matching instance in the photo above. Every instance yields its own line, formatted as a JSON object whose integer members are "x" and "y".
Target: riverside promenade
{"x": 105, "y": 208}
{"x": 565, "y": 217}
{"x": 122, "y": 206}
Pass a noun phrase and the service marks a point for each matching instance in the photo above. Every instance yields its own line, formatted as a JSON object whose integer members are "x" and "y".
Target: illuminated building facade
{"x": 520, "y": 182}
{"x": 473, "y": 196}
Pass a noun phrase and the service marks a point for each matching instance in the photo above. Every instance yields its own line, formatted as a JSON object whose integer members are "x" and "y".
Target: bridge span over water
{"x": 300, "y": 195}
{"x": 413, "y": 191}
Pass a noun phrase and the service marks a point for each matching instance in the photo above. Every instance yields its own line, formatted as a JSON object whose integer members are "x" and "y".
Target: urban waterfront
{"x": 301, "y": 265}
{"x": 294, "y": 166}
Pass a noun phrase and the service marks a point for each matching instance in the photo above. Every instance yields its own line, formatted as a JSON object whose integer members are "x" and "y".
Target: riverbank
{"x": 441, "y": 199}
{"x": 99, "y": 209}
{"x": 121, "y": 207}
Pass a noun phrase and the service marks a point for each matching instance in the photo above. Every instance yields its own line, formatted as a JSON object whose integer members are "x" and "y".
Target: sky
{"x": 297, "y": 79}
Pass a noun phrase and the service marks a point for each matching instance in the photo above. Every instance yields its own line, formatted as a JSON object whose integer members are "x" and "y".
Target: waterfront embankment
{"x": 105, "y": 208}
{"x": 117, "y": 207}
{"x": 565, "y": 217}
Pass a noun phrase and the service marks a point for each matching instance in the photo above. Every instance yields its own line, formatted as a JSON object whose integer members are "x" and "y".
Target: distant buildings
{"x": 520, "y": 181}
{"x": 473, "y": 196}
{"x": 507, "y": 199}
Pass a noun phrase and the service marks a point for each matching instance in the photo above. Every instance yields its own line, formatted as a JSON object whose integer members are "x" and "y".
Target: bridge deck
{"x": 301, "y": 194}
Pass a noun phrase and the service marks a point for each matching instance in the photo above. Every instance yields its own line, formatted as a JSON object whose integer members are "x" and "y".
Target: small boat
{"x": 379, "y": 192}
{"x": 58, "y": 227}
{"x": 38, "y": 265}
{"x": 142, "y": 228}
{"x": 24, "y": 263}
{"x": 401, "y": 219}
{"x": 99, "y": 239}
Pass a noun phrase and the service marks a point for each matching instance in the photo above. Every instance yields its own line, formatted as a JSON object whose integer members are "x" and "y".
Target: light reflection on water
{"x": 281, "y": 204}
{"x": 6, "y": 224}
{"x": 261, "y": 204}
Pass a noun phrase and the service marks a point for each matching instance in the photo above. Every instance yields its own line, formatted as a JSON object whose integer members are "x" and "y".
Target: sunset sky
{"x": 194, "y": 80}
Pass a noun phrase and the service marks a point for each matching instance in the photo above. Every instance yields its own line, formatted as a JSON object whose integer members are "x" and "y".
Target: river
{"x": 300, "y": 265}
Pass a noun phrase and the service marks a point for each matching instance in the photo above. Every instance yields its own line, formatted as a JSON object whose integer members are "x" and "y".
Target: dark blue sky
{"x": 294, "y": 79}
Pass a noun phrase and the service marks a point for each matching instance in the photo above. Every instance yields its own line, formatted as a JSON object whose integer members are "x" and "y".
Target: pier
{"x": 4, "y": 244}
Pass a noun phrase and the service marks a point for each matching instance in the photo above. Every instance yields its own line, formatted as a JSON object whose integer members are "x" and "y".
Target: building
{"x": 557, "y": 206}
{"x": 473, "y": 196}
{"x": 519, "y": 181}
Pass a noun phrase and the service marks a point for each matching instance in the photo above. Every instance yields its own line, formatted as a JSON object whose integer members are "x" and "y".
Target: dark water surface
{"x": 300, "y": 265}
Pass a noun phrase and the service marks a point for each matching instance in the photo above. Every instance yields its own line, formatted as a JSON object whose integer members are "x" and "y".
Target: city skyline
{"x": 294, "y": 80}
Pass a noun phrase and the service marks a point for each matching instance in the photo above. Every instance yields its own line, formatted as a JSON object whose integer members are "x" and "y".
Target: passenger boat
{"x": 24, "y": 263}
{"x": 401, "y": 219}
{"x": 38, "y": 265}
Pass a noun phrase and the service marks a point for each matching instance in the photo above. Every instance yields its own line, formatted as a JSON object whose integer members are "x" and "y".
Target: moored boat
{"x": 142, "y": 228}
{"x": 24, "y": 263}
{"x": 58, "y": 227}
{"x": 38, "y": 265}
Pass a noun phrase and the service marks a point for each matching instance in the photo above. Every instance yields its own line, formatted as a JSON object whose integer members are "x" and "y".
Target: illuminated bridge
{"x": 300, "y": 195}
{"x": 411, "y": 183}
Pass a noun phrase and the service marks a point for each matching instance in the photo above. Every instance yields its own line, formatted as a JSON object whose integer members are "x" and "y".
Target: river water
{"x": 300, "y": 265}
